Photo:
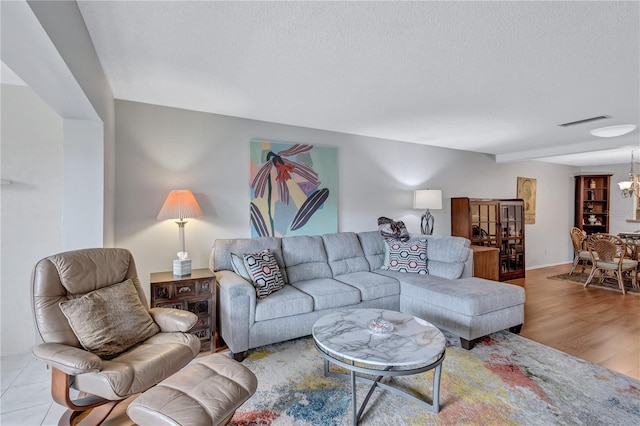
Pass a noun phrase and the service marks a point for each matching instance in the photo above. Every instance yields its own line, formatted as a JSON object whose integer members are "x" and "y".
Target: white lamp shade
{"x": 427, "y": 199}
{"x": 180, "y": 204}
{"x": 625, "y": 184}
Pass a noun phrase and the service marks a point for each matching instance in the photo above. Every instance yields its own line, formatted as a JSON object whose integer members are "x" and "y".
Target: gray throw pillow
{"x": 110, "y": 320}
{"x": 237, "y": 263}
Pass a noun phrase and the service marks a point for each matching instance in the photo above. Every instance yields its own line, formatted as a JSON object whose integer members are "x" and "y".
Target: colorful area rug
{"x": 608, "y": 283}
{"x": 504, "y": 380}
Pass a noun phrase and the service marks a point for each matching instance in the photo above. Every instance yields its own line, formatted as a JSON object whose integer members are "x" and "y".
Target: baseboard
{"x": 548, "y": 265}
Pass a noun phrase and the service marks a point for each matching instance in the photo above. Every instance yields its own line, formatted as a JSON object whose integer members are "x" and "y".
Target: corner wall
{"x": 31, "y": 213}
{"x": 160, "y": 148}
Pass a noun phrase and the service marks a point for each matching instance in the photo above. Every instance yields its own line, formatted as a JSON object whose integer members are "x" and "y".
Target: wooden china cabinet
{"x": 493, "y": 223}
{"x": 592, "y": 203}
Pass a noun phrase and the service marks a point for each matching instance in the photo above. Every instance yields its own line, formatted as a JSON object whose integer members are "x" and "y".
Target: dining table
{"x": 632, "y": 240}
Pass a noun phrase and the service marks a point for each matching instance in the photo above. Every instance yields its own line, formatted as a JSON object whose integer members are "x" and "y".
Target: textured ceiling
{"x": 490, "y": 77}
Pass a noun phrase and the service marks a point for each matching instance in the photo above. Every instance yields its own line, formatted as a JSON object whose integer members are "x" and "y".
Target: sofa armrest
{"x": 237, "y": 309}
{"x": 68, "y": 359}
{"x": 172, "y": 320}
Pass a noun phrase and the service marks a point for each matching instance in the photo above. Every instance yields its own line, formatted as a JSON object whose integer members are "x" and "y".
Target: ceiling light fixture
{"x": 629, "y": 187}
{"x": 613, "y": 131}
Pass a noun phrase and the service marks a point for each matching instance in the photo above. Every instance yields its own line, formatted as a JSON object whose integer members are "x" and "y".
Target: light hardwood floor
{"x": 597, "y": 325}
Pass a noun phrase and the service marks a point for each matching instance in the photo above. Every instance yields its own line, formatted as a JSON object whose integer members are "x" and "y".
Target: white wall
{"x": 159, "y": 149}
{"x": 83, "y": 186}
{"x": 31, "y": 220}
{"x": 64, "y": 26}
{"x": 48, "y": 46}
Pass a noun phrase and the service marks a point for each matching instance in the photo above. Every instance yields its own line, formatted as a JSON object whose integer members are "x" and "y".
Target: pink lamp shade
{"x": 180, "y": 204}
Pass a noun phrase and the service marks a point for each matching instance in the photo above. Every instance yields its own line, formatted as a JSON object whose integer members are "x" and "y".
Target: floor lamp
{"x": 427, "y": 199}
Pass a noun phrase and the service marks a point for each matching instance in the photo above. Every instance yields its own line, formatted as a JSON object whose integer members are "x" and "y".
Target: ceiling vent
{"x": 586, "y": 120}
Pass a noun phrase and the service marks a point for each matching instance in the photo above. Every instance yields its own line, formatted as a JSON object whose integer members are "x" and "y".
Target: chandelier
{"x": 630, "y": 187}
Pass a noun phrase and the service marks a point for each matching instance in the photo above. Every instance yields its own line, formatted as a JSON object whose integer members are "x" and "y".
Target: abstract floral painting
{"x": 293, "y": 189}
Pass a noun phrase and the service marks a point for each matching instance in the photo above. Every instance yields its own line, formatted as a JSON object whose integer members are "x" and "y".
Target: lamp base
{"x": 426, "y": 224}
{"x": 181, "y": 267}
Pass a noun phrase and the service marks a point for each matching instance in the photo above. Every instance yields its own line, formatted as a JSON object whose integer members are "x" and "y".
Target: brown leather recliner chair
{"x": 108, "y": 280}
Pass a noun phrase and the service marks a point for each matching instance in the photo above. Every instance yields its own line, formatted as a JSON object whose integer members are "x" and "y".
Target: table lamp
{"x": 427, "y": 199}
{"x": 180, "y": 205}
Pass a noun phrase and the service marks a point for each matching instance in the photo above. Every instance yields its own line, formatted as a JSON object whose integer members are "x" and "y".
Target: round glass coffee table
{"x": 380, "y": 343}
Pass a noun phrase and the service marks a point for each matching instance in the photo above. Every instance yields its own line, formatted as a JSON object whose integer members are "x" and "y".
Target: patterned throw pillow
{"x": 265, "y": 273}
{"x": 110, "y": 320}
{"x": 408, "y": 257}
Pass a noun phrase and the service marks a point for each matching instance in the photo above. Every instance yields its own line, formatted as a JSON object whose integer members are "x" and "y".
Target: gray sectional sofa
{"x": 345, "y": 270}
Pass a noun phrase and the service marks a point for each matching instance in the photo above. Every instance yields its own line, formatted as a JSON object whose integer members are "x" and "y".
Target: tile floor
{"x": 25, "y": 392}
{"x": 25, "y": 398}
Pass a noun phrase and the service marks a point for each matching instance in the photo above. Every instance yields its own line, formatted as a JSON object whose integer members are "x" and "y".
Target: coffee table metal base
{"x": 433, "y": 406}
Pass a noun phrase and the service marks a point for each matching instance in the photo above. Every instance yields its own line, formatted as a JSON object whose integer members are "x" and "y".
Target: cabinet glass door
{"x": 484, "y": 224}
{"x": 512, "y": 241}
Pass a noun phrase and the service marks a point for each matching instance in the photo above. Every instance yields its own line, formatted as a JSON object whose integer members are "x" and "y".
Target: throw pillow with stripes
{"x": 410, "y": 257}
{"x": 264, "y": 271}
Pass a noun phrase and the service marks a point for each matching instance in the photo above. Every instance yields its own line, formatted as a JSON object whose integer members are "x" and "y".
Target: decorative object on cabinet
{"x": 180, "y": 205}
{"x": 592, "y": 203}
{"x": 493, "y": 223}
{"x": 194, "y": 293}
{"x": 527, "y": 188}
{"x": 427, "y": 199}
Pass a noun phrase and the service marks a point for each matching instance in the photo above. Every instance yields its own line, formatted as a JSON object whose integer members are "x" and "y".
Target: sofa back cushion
{"x": 344, "y": 253}
{"x": 373, "y": 248}
{"x": 447, "y": 256}
{"x": 447, "y": 249}
{"x": 223, "y": 248}
{"x": 305, "y": 258}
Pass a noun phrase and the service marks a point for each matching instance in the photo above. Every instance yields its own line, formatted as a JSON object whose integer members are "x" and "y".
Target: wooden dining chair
{"x": 608, "y": 255}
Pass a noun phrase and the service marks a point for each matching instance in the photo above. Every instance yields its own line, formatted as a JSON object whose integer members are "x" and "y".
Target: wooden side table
{"x": 195, "y": 293}
{"x": 486, "y": 263}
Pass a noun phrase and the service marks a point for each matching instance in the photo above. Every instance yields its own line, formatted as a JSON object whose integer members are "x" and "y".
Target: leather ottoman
{"x": 206, "y": 392}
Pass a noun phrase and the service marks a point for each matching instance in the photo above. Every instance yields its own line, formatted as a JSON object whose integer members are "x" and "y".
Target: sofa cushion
{"x": 468, "y": 296}
{"x": 222, "y": 249}
{"x": 409, "y": 257}
{"x": 328, "y": 293}
{"x": 284, "y": 303}
{"x": 265, "y": 273}
{"x": 344, "y": 253}
{"x": 237, "y": 263}
{"x": 110, "y": 320}
{"x": 305, "y": 258}
{"x": 447, "y": 256}
{"x": 373, "y": 248}
{"x": 448, "y": 249}
{"x": 449, "y": 270}
{"x": 372, "y": 286}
